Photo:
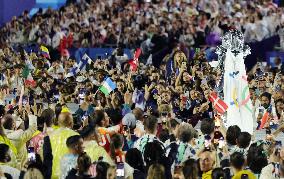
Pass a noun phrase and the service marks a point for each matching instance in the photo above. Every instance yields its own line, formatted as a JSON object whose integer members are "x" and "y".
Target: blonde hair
{"x": 156, "y": 171}
{"x": 165, "y": 108}
{"x": 185, "y": 132}
{"x": 65, "y": 120}
{"x": 33, "y": 173}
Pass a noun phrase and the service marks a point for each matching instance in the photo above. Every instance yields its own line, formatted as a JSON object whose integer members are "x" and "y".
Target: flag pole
{"x": 94, "y": 95}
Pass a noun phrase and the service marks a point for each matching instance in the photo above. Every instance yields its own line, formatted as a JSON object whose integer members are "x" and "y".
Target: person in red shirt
{"x": 116, "y": 145}
{"x": 101, "y": 121}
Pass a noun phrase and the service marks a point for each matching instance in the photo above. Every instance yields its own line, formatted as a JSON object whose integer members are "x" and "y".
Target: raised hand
{"x": 128, "y": 98}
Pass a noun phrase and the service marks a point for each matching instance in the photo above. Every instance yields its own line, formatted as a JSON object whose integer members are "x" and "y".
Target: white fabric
{"x": 15, "y": 173}
{"x": 237, "y": 114}
{"x": 267, "y": 172}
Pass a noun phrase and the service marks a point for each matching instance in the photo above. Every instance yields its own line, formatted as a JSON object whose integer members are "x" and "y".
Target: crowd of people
{"x": 147, "y": 126}
{"x": 101, "y": 23}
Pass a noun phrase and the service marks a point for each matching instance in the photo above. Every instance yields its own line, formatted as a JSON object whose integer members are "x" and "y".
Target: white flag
{"x": 236, "y": 93}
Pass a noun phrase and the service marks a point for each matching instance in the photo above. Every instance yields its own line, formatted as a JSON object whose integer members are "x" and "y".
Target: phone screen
{"x": 120, "y": 170}
{"x": 278, "y": 144}
{"x": 207, "y": 141}
{"x": 221, "y": 143}
{"x": 82, "y": 93}
{"x": 31, "y": 154}
{"x": 56, "y": 96}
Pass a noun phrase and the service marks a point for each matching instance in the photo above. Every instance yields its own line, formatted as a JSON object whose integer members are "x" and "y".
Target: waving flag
{"x": 218, "y": 103}
{"x": 78, "y": 67}
{"x": 265, "y": 117}
{"x": 29, "y": 81}
{"x": 236, "y": 92}
{"x": 264, "y": 120}
{"x": 135, "y": 62}
{"x": 44, "y": 51}
{"x": 107, "y": 86}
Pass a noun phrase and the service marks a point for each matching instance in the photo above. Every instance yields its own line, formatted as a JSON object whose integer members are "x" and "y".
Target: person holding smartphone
{"x": 266, "y": 106}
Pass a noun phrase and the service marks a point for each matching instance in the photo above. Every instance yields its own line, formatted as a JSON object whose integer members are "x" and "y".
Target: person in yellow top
{"x": 237, "y": 161}
{"x": 58, "y": 140}
{"x": 92, "y": 148}
{"x": 207, "y": 162}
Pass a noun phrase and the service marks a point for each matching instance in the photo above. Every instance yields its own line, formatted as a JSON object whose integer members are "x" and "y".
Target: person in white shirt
{"x": 266, "y": 106}
{"x": 150, "y": 124}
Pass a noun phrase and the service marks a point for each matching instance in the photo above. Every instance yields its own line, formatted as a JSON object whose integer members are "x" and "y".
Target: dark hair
{"x": 87, "y": 131}
{"x": 2, "y": 110}
{"x": 266, "y": 94}
{"x": 173, "y": 123}
{"x": 281, "y": 168}
{"x": 84, "y": 162}
{"x": 47, "y": 115}
{"x": 278, "y": 113}
{"x": 97, "y": 117}
{"x": 8, "y": 121}
{"x": 190, "y": 169}
{"x": 150, "y": 123}
{"x": 101, "y": 169}
{"x": 232, "y": 134}
{"x": 154, "y": 153}
{"x": 237, "y": 160}
{"x": 279, "y": 101}
{"x": 58, "y": 109}
{"x": 244, "y": 140}
{"x": 218, "y": 173}
{"x": 207, "y": 126}
{"x": 256, "y": 158}
{"x": 164, "y": 135}
{"x": 134, "y": 158}
{"x": 116, "y": 143}
{"x": 72, "y": 141}
{"x": 3, "y": 151}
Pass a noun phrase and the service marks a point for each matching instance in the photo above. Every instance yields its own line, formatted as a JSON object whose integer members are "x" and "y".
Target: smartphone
{"x": 204, "y": 81}
{"x": 31, "y": 154}
{"x": 82, "y": 93}
{"x": 56, "y": 96}
{"x": 125, "y": 130}
{"x": 25, "y": 101}
{"x": 278, "y": 88}
{"x": 85, "y": 117}
{"x": 278, "y": 144}
{"x": 261, "y": 110}
{"x": 217, "y": 136}
{"x": 186, "y": 94}
{"x": 120, "y": 170}
{"x": 221, "y": 143}
{"x": 207, "y": 141}
{"x": 268, "y": 131}
{"x": 244, "y": 176}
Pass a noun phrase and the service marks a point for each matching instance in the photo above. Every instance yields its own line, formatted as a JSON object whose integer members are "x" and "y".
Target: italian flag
{"x": 107, "y": 86}
{"x": 29, "y": 81}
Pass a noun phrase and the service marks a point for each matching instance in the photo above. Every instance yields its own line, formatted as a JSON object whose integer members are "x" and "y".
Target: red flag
{"x": 264, "y": 120}
{"x": 218, "y": 103}
{"x": 134, "y": 62}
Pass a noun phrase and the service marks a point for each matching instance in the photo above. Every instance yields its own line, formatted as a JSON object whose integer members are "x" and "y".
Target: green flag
{"x": 26, "y": 72}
